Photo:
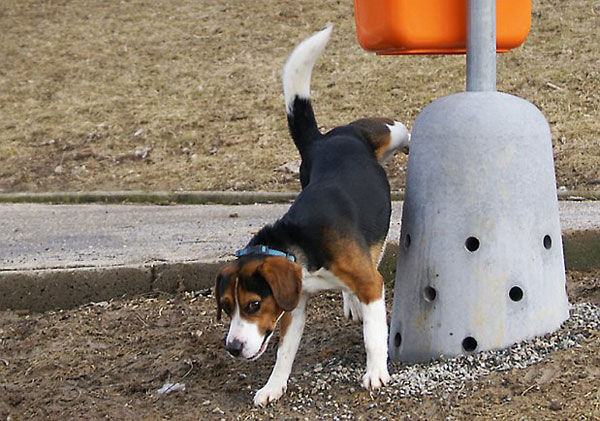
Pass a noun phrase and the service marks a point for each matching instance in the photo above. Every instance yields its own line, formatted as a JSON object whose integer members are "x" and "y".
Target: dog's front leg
{"x": 375, "y": 334}
{"x": 292, "y": 326}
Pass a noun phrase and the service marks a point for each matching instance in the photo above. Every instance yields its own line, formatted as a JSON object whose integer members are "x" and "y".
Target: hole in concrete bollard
{"x": 469, "y": 344}
{"x": 429, "y": 294}
{"x": 472, "y": 243}
{"x": 398, "y": 339}
{"x": 515, "y": 294}
{"x": 547, "y": 242}
{"x": 407, "y": 241}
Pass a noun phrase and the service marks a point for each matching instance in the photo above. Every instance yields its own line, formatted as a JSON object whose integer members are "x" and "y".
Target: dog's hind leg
{"x": 375, "y": 333}
{"x": 351, "y": 306}
{"x": 355, "y": 268}
{"x": 292, "y": 326}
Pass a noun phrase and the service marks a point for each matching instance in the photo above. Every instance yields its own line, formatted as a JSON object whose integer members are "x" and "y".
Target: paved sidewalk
{"x": 109, "y": 247}
{"x": 68, "y": 236}
{"x": 75, "y": 236}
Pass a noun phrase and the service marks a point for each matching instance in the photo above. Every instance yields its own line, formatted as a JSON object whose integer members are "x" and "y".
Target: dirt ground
{"x": 108, "y": 360}
{"x": 119, "y": 95}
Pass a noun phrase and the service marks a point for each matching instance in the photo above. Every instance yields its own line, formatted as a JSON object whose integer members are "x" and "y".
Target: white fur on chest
{"x": 320, "y": 280}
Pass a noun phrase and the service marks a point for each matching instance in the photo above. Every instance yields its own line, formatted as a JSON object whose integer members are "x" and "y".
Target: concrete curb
{"x": 51, "y": 289}
{"x": 157, "y": 197}
{"x": 43, "y": 290}
{"x": 200, "y": 197}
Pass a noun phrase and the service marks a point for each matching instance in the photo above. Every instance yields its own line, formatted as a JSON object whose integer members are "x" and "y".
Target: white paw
{"x": 269, "y": 393}
{"x": 351, "y": 306}
{"x": 376, "y": 378}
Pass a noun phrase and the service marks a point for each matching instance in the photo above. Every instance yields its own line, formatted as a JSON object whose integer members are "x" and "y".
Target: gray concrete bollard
{"x": 480, "y": 264}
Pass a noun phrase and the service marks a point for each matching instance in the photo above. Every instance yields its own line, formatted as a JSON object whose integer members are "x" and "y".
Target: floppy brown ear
{"x": 218, "y": 281}
{"x": 221, "y": 283}
{"x": 285, "y": 279}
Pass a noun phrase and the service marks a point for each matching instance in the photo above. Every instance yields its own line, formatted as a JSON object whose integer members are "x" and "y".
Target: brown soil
{"x": 186, "y": 95}
{"x": 108, "y": 361}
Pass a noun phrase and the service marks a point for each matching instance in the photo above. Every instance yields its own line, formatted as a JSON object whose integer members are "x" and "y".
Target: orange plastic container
{"x": 433, "y": 26}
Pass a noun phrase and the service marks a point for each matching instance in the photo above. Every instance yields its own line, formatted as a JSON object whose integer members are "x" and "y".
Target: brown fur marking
{"x": 376, "y": 250}
{"x": 377, "y": 134}
{"x": 354, "y": 266}
{"x": 285, "y": 280}
{"x": 286, "y": 320}
{"x": 266, "y": 317}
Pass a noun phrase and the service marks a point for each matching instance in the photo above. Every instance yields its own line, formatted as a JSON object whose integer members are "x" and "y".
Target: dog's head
{"x": 255, "y": 291}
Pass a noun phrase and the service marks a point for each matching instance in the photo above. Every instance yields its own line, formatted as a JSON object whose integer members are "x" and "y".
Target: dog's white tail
{"x": 296, "y": 90}
{"x": 299, "y": 65}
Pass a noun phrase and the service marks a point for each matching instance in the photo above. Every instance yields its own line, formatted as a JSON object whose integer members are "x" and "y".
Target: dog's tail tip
{"x": 298, "y": 67}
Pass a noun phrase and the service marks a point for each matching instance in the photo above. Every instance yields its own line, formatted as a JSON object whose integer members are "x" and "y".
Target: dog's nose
{"x": 234, "y": 347}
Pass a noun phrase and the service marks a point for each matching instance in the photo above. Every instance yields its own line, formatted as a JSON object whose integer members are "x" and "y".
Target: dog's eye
{"x": 253, "y": 307}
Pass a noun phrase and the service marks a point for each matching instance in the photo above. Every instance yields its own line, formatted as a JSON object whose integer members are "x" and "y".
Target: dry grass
{"x": 84, "y": 83}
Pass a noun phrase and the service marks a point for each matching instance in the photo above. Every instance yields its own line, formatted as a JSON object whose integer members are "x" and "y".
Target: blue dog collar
{"x": 259, "y": 249}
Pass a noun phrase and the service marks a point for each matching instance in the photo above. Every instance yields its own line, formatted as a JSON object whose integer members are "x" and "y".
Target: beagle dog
{"x": 332, "y": 237}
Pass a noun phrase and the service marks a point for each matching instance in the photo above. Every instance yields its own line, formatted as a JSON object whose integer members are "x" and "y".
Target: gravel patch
{"x": 442, "y": 377}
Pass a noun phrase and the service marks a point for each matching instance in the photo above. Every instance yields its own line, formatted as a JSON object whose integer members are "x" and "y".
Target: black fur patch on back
{"x": 348, "y": 196}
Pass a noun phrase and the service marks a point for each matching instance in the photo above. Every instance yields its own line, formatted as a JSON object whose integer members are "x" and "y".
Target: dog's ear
{"x": 285, "y": 279}
{"x": 221, "y": 282}
{"x": 218, "y": 290}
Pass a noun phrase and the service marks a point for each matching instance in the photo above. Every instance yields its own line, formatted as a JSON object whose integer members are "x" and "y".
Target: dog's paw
{"x": 351, "y": 307}
{"x": 376, "y": 378}
{"x": 269, "y": 393}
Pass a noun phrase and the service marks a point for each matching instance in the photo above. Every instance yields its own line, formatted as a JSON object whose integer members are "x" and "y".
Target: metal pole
{"x": 481, "y": 45}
